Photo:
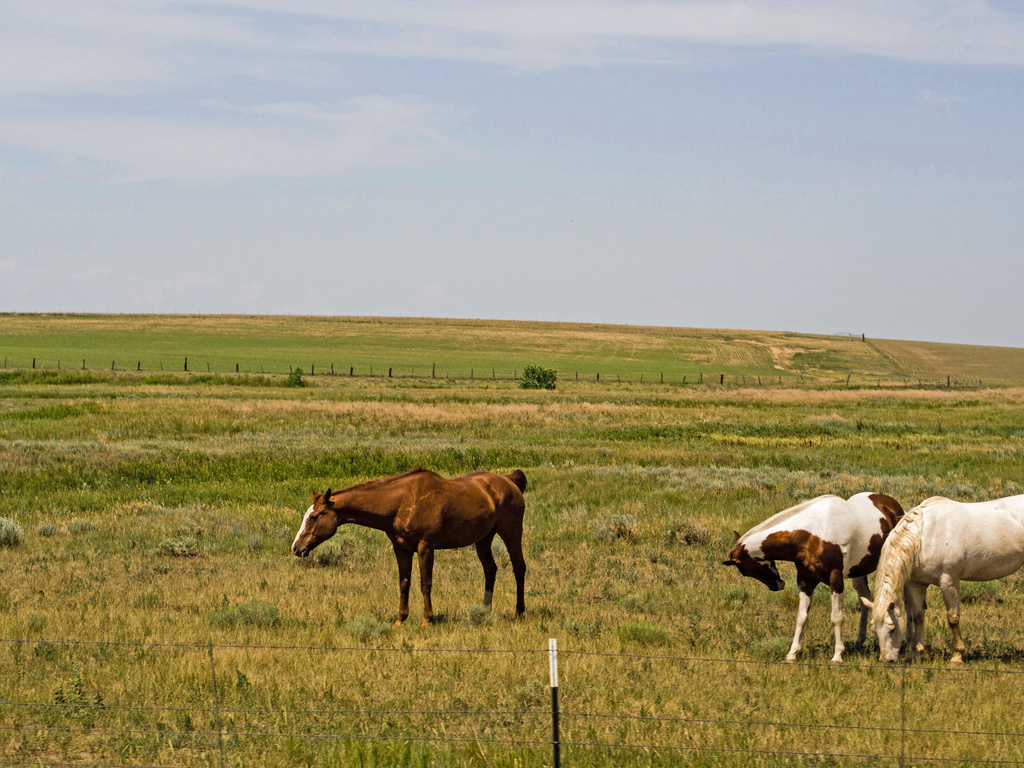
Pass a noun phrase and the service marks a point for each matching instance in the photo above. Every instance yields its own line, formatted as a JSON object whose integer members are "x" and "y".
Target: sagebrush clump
{"x": 11, "y": 534}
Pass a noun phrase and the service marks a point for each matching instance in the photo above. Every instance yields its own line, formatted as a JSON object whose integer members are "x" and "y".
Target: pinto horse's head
{"x": 763, "y": 570}
{"x": 318, "y": 524}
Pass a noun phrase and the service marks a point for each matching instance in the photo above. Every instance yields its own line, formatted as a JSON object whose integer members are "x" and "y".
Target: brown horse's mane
{"x": 382, "y": 480}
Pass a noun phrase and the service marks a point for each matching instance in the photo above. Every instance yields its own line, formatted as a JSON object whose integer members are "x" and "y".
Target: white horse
{"x": 942, "y": 542}
{"x": 829, "y": 539}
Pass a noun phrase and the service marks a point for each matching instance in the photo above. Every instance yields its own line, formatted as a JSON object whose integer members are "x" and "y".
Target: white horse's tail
{"x": 897, "y": 559}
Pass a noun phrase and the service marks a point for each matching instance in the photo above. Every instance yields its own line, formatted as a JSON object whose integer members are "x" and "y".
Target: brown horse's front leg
{"x": 425, "y": 552}
{"x": 404, "y": 558}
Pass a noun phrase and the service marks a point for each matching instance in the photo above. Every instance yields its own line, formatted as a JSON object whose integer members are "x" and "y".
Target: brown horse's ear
{"x": 327, "y": 497}
{"x": 315, "y": 493}
{"x": 737, "y": 535}
{"x": 730, "y": 562}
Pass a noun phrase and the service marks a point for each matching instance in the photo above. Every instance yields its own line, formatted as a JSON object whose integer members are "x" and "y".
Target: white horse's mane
{"x": 897, "y": 559}
{"x": 785, "y": 514}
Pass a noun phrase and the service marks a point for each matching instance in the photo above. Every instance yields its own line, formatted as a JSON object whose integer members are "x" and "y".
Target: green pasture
{"x": 151, "y": 612}
{"x": 487, "y": 349}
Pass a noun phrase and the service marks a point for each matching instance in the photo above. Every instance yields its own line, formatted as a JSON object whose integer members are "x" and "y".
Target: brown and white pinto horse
{"x": 829, "y": 539}
{"x": 420, "y": 511}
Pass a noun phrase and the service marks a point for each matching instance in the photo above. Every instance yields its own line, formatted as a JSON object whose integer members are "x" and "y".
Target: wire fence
{"x": 444, "y": 372}
{"x": 204, "y": 721}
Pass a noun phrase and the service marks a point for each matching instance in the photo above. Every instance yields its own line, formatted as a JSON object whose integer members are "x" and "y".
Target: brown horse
{"x": 420, "y": 511}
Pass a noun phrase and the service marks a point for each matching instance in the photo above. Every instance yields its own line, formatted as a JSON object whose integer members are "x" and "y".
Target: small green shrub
{"x": 736, "y": 598}
{"x": 46, "y": 530}
{"x": 11, "y": 534}
{"x": 477, "y": 615}
{"x": 582, "y": 627}
{"x": 642, "y": 633}
{"x": 617, "y": 527}
{"x": 35, "y": 622}
{"x": 79, "y": 526}
{"x": 294, "y": 379}
{"x": 535, "y": 377}
{"x": 257, "y": 614}
{"x": 326, "y": 557}
{"x": 771, "y": 648}
{"x": 366, "y": 628}
{"x": 45, "y": 651}
{"x": 691, "y": 533}
{"x": 183, "y": 547}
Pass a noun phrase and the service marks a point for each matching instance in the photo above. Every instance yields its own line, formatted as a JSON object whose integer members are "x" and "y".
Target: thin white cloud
{"x": 8, "y": 266}
{"x": 92, "y": 273}
{"x": 936, "y": 99}
{"x": 50, "y": 46}
{"x": 305, "y": 141}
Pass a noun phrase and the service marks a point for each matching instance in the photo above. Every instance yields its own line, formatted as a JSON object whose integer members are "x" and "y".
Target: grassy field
{"x": 484, "y": 349}
{"x": 157, "y": 519}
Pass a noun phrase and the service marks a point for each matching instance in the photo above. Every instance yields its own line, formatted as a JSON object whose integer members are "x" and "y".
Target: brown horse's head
{"x": 318, "y": 524}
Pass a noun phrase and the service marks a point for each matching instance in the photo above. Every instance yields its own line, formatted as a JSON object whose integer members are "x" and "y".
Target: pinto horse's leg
{"x": 404, "y": 558}
{"x": 837, "y": 623}
{"x": 425, "y": 554}
{"x": 951, "y": 594}
{"x": 483, "y": 551}
{"x": 860, "y": 583}
{"x": 914, "y": 597}
{"x": 806, "y": 590}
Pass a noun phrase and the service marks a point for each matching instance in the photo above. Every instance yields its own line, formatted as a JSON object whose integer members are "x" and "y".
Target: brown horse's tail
{"x": 518, "y": 478}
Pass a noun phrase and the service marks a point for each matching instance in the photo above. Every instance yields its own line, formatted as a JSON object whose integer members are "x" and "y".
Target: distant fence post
{"x": 186, "y": 363}
{"x": 556, "y": 744}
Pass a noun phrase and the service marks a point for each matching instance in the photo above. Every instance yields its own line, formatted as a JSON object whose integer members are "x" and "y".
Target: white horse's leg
{"x": 914, "y": 597}
{"x": 837, "y": 622}
{"x": 801, "y": 619}
{"x": 951, "y": 594}
{"x": 861, "y": 585}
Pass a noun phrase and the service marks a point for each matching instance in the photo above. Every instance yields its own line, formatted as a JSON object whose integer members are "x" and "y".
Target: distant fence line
{"x": 443, "y": 372}
{"x": 568, "y": 745}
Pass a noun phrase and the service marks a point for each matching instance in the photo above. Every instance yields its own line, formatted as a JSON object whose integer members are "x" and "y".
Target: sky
{"x": 815, "y": 166}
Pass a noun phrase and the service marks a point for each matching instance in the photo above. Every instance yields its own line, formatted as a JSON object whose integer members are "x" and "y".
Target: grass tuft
{"x": 11, "y": 534}
{"x": 642, "y": 633}
{"x": 365, "y": 628}
{"x": 186, "y": 546}
{"x": 256, "y": 614}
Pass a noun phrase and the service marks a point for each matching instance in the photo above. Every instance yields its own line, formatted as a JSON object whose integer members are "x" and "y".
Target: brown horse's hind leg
{"x": 425, "y": 554}
{"x": 404, "y": 558}
{"x": 483, "y": 551}
{"x": 514, "y": 545}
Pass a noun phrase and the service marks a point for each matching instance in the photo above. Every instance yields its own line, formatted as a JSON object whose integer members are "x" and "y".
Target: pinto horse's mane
{"x": 784, "y": 515}
{"x": 896, "y": 562}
